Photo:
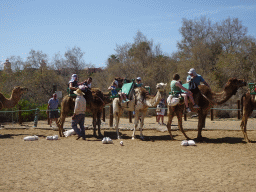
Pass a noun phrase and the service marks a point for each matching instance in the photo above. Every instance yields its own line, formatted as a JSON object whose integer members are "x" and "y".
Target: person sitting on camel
{"x": 114, "y": 92}
{"x": 73, "y": 83}
{"x": 176, "y": 88}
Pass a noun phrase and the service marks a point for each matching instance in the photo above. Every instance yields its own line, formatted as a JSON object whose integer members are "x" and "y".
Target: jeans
{"x": 79, "y": 119}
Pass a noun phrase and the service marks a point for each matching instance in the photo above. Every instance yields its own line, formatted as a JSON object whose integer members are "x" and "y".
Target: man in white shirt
{"x": 79, "y": 114}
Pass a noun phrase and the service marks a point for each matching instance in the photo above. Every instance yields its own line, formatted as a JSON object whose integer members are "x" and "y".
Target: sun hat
{"x": 139, "y": 78}
{"x": 192, "y": 71}
{"x": 116, "y": 82}
{"x": 78, "y": 92}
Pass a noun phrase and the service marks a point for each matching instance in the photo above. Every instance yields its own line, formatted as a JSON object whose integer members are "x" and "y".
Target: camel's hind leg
{"x": 247, "y": 111}
{"x": 98, "y": 123}
{"x": 142, "y": 124}
{"x": 60, "y": 124}
{"x": 170, "y": 117}
{"x": 179, "y": 113}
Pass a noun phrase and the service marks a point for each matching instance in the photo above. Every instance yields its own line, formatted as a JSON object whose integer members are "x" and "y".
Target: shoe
{"x": 84, "y": 138}
{"x": 123, "y": 101}
{"x": 196, "y": 106}
{"x": 127, "y": 100}
{"x": 78, "y": 137}
{"x": 188, "y": 110}
{"x": 50, "y": 125}
{"x": 163, "y": 124}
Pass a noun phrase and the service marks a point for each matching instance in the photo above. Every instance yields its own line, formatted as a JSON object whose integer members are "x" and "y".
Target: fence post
{"x": 20, "y": 117}
{"x": 103, "y": 114}
{"x": 211, "y": 114}
{"x": 111, "y": 115}
{"x": 36, "y": 117}
{"x": 239, "y": 110}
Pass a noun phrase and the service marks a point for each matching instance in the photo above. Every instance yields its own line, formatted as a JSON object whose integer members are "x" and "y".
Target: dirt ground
{"x": 223, "y": 162}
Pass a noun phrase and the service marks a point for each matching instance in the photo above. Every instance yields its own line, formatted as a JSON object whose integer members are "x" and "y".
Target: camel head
{"x": 161, "y": 86}
{"x": 234, "y": 84}
{"x": 18, "y": 91}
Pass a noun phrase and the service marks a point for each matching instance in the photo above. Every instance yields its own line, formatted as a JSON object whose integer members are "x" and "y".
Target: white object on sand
{"x": 31, "y": 138}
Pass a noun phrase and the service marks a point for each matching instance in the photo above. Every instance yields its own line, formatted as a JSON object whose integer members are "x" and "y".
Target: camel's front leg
{"x": 136, "y": 121}
{"x": 169, "y": 123}
{"x": 142, "y": 124}
{"x": 117, "y": 118}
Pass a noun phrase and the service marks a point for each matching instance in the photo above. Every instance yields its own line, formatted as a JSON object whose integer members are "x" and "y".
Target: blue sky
{"x": 53, "y": 26}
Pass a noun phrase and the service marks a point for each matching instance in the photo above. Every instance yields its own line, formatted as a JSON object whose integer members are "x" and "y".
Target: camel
{"x": 204, "y": 98}
{"x": 248, "y": 104}
{"x": 140, "y": 102}
{"x": 95, "y": 101}
{"x": 14, "y": 99}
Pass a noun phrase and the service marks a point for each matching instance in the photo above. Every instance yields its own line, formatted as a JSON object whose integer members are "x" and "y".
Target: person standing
{"x": 53, "y": 108}
{"x": 160, "y": 111}
{"x": 79, "y": 114}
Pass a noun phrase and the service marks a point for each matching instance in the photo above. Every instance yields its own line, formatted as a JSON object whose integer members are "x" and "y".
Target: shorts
{"x": 162, "y": 112}
{"x": 53, "y": 114}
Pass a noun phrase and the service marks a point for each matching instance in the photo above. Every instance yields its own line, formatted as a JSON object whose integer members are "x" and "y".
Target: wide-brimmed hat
{"x": 192, "y": 71}
{"x": 78, "y": 92}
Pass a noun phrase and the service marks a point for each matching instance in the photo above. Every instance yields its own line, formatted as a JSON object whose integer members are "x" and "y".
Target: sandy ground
{"x": 223, "y": 162}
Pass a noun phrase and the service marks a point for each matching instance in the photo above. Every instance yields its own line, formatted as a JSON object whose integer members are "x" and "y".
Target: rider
{"x": 86, "y": 85}
{"x": 176, "y": 87}
{"x": 73, "y": 83}
{"x": 138, "y": 82}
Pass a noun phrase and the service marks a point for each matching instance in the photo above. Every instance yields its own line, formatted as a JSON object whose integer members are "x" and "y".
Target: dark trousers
{"x": 79, "y": 119}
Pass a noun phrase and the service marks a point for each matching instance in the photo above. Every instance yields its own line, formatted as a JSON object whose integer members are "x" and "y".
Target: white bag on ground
{"x": 31, "y": 138}
{"x": 107, "y": 140}
{"x": 54, "y": 137}
{"x": 188, "y": 143}
{"x": 69, "y": 132}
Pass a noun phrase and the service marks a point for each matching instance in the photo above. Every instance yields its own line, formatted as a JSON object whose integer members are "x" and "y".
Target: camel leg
{"x": 136, "y": 122}
{"x": 99, "y": 123}
{"x": 117, "y": 118}
{"x": 179, "y": 112}
{"x": 142, "y": 124}
{"x": 60, "y": 124}
{"x": 201, "y": 120}
{"x": 170, "y": 117}
{"x": 243, "y": 127}
{"x": 94, "y": 124}
{"x": 247, "y": 111}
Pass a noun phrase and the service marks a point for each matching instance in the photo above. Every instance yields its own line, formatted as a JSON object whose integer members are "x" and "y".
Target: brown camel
{"x": 13, "y": 100}
{"x": 248, "y": 104}
{"x": 140, "y": 102}
{"x": 95, "y": 101}
{"x": 204, "y": 98}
